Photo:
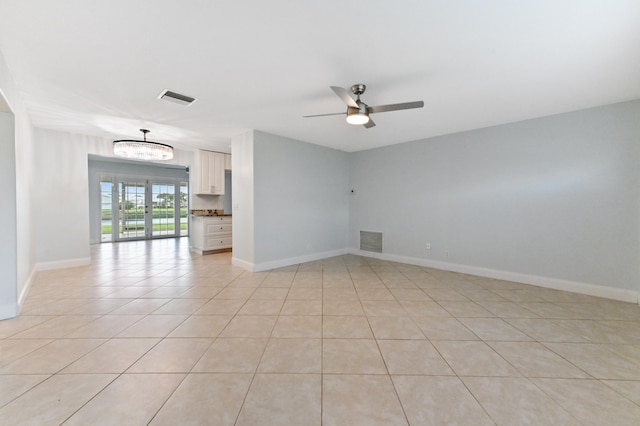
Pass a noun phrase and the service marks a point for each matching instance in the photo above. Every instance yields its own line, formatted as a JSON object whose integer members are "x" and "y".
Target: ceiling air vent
{"x": 168, "y": 95}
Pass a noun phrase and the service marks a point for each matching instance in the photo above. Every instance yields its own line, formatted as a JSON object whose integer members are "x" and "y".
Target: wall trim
{"x": 280, "y": 263}
{"x": 8, "y": 310}
{"x": 619, "y": 294}
{"x": 25, "y": 290}
{"x": 61, "y": 264}
{"x": 243, "y": 264}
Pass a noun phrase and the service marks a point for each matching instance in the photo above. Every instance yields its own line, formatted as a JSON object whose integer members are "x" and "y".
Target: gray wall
{"x": 8, "y": 213}
{"x": 552, "y": 197}
{"x": 301, "y": 202}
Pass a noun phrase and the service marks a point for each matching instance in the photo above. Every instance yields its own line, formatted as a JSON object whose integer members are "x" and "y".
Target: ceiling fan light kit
{"x": 358, "y": 112}
{"x": 142, "y": 150}
{"x": 357, "y": 115}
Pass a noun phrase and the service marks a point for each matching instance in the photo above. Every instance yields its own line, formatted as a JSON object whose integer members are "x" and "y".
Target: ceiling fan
{"x": 358, "y": 112}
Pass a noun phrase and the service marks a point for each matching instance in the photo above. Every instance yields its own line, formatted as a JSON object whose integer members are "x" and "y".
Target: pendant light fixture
{"x": 142, "y": 150}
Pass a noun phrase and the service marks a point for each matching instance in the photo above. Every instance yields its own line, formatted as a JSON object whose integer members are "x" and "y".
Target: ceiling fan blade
{"x": 395, "y": 107}
{"x": 344, "y": 95}
{"x": 323, "y": 115}
{"x": 369, "y": 124}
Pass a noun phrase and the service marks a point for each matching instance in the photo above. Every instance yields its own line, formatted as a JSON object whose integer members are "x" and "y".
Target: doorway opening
{"x": 143, "y": 209}
{"x": 137, "y": 201}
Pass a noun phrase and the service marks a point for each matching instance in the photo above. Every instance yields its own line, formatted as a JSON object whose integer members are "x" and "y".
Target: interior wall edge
{"x": 62, "y": 264}
{"x": 281, "y": 263}
{"x": 619, "y": 294}
{"x": 22, "y": 297}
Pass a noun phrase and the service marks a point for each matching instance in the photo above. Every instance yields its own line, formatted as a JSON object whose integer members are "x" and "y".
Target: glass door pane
{"x": 106, "y": 210}
{"x": 163, "y": 200}
{"x": 131, "y": 210}
{"x": 184, "y": 209}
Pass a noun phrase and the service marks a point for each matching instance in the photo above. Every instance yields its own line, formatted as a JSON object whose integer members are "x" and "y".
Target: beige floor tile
{"x": 235, "y": 293}
{"x": 375, "y": 294}
{"x": 172, "y": 356}
{"x": 200, "y": 293}
{"x": 352, "y": 356}
{"x": 383, "y": 308}
{"x": 346, "y": 327}
{"x": 432, "y": 400}
{"x": 270, "y": 293}
{"x": 180, "y": 307}
{"x": 360, "y": 400}
{"x": 347, "y": 292}
{"x": 12, "y": 326}
{"x": 51, "y": 358}
{"x": 342, "y": 307}
{"x": 53, "y": 400}
{"x": 12, "y": 387}
{"x": 597, "y": 360}
{"x": 590, "y": 401}
{"x": 302, "y": 307}
{"x": 424, "y": 309}
{"x": 517, "y": 401}
{"x": 395, "y": 328}
{"x": 444, "y": 329}
{"x": 474, "y": 359}
{"x": 140, "y": 307}
{"x": 305, "y": 293}
{"x": 202, "y": 326}
{"x": 292, "y": 356}
{"x": 116, "y": 403}
{"x": 593, "y": 331}
{"x": 12, "y": 349}
{"x": 446, "y": 295}
{"x": 232, "y": 356}
{"x": 106, "y": 326}
{"x": 113, "y": 356}
{"x": 213, "y": 399}
{"x": 506, "y": 309}
{"x": 534, "y": 360}
{"x": 544, "y": 330}
{"x": 261, "y": 307}
{"x": 409, "y": 294}
{"x": 298, "y": 326}
{"x": 628, "y": 388}
{"x": 465, "y": 309}
{"x": 249, "y": 326}
{"x": 413, "y": 357}
{"x": 154, "y": 326}
{"x": 221, "y": 307}
{"x": 99, "y": 306}
{"x": 56, "y": 327}
{"x": 494, "y": 329}
{"x": 282, "y": 399}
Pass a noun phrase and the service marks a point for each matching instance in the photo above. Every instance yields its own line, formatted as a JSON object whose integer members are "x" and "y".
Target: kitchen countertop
{"x": 209, "y": 213}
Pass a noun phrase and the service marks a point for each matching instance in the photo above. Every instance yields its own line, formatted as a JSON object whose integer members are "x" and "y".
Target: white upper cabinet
{"x": 210, "y": 172}
{"x": 227, "y": 161}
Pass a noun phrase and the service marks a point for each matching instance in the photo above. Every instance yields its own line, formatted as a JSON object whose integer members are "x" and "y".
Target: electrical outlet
{"x": 446, "y": 253}
{"x": 428, "y": 246}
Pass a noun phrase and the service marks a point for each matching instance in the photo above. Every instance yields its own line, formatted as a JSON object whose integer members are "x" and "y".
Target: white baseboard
{"x": 61, "y": 264}
{"x": 243, "y": 264}
{"x": 25, "y": 290}
{"x": 8, "y": 310}
{"x": 619, "y": 294}
{"x": 280, "y": 263}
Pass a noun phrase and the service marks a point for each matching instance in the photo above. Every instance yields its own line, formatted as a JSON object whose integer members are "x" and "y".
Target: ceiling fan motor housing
{"x": 358, "y": 89}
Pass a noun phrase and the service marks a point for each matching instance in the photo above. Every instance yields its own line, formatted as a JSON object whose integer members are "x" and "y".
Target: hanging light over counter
{"x": 142, "y": 150}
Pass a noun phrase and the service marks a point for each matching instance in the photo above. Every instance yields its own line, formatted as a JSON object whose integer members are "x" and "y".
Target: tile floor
{"x": 151, "y": 334}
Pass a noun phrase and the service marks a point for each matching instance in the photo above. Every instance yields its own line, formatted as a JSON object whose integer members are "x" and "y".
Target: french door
{"x": 143, "y": 209}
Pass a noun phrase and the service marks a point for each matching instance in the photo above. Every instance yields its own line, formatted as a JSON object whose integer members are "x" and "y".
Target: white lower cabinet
{"x": 210, "y": 233}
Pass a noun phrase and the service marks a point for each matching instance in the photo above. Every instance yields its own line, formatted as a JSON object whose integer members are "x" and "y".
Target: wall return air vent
{"x": 371, "y": 241}
{"x": 178, "y": 98}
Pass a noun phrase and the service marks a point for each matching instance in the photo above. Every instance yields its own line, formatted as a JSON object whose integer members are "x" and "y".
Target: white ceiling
{"x": 96, "y": 67}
